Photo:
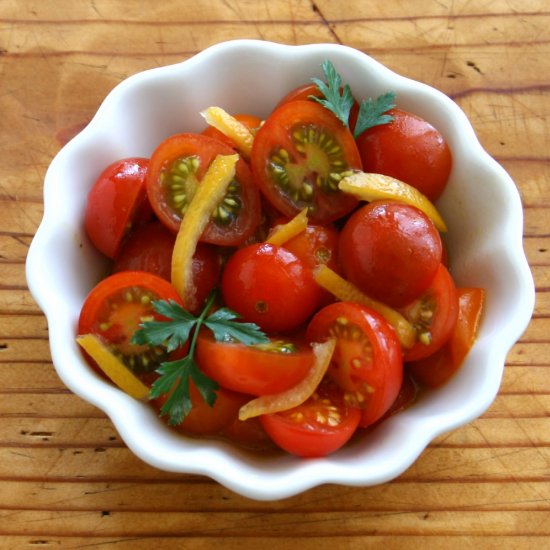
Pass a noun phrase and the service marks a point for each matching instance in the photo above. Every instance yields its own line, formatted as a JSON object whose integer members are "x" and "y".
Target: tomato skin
{"x": 367, "y": 363}
{"x": 117, "y": 201}
{"x": 308, "y": 430}
{"x": 252, "y": 370}
{"x": 434, "y": 313}
{"x": 434, "y": 370}
{"x": 163, "y": 195}
{"x": 409, "y": 149}
{"x": 293, "y": 168}
{"x": 204, "y": 419}
{"x": 252, "y": 122}
{"x": 269, "y": 286}
{"x": 390, "y": 250}
{"x": 113, "y": 310}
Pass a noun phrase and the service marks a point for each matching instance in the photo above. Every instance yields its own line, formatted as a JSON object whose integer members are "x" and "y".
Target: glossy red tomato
{"x": 269, "y": 286}
{"x": 409, "y": 149}
{"x": 250, "y": 121}
{"x": 149, "y": 248}
{"x": 437, "y": 368}
{"x": 433, "y": 315}
{"x": 176, "y": 169}
{"x": 367, "y": 363}
{"x": 114, "y": 309}
{"x": 117, "y": 202}
{"x": 299, "y": 155}
{"x": 318, "y": 427}
{"x": 390, "y": 250}
{"x": 256, "y": 370}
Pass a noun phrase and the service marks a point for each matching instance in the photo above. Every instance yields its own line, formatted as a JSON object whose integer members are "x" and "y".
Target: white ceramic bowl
{"x": 481, "y": 207}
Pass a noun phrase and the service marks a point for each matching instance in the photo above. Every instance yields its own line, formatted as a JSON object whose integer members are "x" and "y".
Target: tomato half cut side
{"x": 298, "y": 157}
{"x": 320, "y": 426}
{"x": 434, "y": 370}
{"x": 116, "y": 203}
{"x": 433, "y": 315}
{"x": 114, "y": 309}
{"x": 176, "y": 169}
{"x": 256, "y": 370}
{"x": 367, "y": 363}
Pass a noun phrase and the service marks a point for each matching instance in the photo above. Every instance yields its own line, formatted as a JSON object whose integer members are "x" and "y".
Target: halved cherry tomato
{"x": 367, "y": 362}
{"x": 204, "y": 419}
{"x": 114, "y": 309}
{"x": 269, "y": 286}
{"x": 117, "y": 202}
{"x": 176, "y": 169}
{"x": 149, "y": 248}
{"x": 409, "y": 149}
{"x": 433, "y": 315}
{"x": 256, "y": 370}
{"x": 250, "y": 121}
{"x": 318, "y": 427}
{"x": 436, "y": 369}
{"x": 391, "y": 251}
{"x": 298, "y": 157}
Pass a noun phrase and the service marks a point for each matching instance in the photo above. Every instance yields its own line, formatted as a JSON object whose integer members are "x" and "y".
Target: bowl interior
{"x": 481, "y": 206}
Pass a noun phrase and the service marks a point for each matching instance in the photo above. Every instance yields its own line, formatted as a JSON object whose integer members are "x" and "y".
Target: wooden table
{"x": 67, "y": 480}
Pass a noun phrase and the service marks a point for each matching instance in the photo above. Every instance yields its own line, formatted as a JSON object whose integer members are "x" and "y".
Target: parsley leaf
{"x": 179, "y": 328}
{"x": 372, "y": 112}
{"x": 339, "y": 101}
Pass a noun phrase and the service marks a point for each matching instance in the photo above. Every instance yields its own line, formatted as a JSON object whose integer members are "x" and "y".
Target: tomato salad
{"x": 281, "y": 281}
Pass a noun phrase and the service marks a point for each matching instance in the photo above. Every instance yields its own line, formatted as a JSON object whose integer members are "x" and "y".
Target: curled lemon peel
{"x": 289, "y": 230}
{"x": 228, "y": 125}
{"x": 298, "y": 394}
{"x": 348, "y": 292}
{"x": 209, "y": 193}
{"x": 370, "y": 187}
{"x": 112, "y": 366}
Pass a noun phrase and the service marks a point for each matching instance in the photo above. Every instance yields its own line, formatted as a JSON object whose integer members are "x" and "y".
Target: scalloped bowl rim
{"x": 62, "y": 265}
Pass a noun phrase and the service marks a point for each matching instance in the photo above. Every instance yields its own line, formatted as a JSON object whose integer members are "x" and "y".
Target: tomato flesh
{"x": 367, "y": 362}
{"x": 255, "y": 370}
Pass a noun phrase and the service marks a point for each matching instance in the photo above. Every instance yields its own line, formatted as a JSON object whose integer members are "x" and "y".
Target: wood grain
{"x": 67, "y": 479}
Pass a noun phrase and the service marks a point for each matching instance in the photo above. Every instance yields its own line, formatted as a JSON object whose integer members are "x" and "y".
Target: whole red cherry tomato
{"x": 409, "y": 149}
{"x": 391, "y": 251}
{"x": 269, "y": 286}
{"x": 176, "y": 169}
{"x": 317, "y": 427}
{"x": 299, "y": 155}
{"x": 367, "y": 363}
{"x": 116, "y": 202}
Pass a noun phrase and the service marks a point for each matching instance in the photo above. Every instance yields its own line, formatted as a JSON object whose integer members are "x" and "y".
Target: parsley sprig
{"x": 179, "y": 328}
{"x": 339, "y": 100}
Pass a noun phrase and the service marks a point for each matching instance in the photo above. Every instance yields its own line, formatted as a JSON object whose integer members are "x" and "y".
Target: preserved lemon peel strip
{"x": 228, "y": 125}
{"x": 348, "y": 292}
{"x": 209, "y": 193}
{"x": 112, "y": 366}
{"x": 370, "y": 187}
{"x": 287, "y": 231}
{"x": 298, "y": 394}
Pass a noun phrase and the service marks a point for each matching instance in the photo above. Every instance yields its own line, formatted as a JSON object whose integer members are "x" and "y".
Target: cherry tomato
{"x": 175, "y": 171}
{"x": 433, "y": 315}
{"x": 437, "y": 368}
{"x": 299, "y": 155}
{"x": 248, "y": 434}
{"x": 114, "y": 309}
{"x": 116, "y": 202}
{"x": 391, "y": 251}
{"x": 409, "y": 149}
{"x": 318, "y": 427}
{"x": 367, "y": 362}
{"x": 269, "y": 286}
{"x": 149, "y": 248}
{"x": 250, "y": 121}
{"x": 204, "y": 419}
{"x": 407, "y": 395}
{"x": 256, "y": 370}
